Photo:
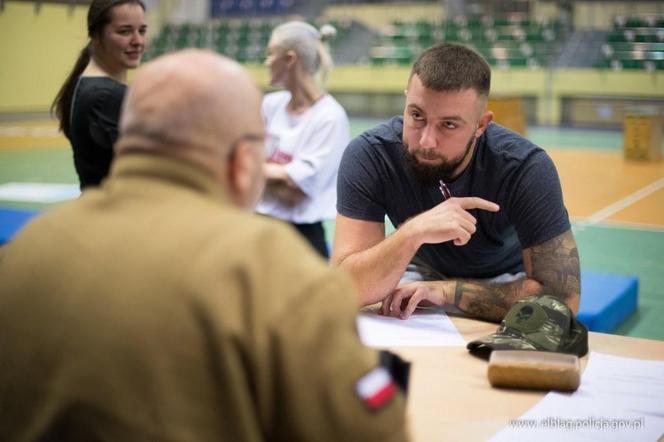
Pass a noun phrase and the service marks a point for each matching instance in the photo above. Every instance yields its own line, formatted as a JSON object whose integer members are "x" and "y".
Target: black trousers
{"x": 315, "y": 234}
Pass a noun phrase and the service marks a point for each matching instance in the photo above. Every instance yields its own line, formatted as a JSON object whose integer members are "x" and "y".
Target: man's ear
{"x": 243, "y": 174}
{"x": 483, "y": 123}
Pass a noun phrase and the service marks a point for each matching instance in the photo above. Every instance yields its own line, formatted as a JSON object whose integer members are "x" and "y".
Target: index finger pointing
{"x": 474, "y": 202}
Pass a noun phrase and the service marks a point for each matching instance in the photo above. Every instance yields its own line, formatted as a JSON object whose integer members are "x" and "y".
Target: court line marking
{"x": 620, "y": 225}
{"x": 621, "y": 204}
{"x": 30, "y": 131}
{"x": 52, "y": 144}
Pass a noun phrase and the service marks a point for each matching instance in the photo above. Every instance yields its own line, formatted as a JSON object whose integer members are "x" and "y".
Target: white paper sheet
{"x": 38, "y": 192}
{"x": 619, "y": 399}
{"x": 425, "y": 328}
{"x": 638, "y": 385}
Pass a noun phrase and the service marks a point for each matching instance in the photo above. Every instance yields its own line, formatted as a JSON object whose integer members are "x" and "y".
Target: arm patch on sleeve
{"x": 376, "y": 388}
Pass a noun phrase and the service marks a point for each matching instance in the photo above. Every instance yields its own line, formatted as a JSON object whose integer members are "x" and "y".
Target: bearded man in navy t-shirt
{"x": 478, "y": 209}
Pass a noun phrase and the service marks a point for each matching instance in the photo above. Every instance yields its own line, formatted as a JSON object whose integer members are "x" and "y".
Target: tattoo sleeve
{"x": 555, "y": 265}
{"x": 552, "y": 268}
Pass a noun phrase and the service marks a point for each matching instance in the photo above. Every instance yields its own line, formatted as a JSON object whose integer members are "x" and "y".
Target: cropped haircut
{"x": 448, "y": 67}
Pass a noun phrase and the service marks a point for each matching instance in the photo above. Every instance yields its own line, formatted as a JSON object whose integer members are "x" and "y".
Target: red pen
{"x": 444, "y": 190}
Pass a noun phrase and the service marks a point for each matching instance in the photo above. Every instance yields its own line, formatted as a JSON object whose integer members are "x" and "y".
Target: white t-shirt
{"x": 310, "y": 146}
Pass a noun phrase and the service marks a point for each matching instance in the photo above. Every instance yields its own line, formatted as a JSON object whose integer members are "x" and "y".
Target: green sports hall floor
{"x": 612, "y": 248}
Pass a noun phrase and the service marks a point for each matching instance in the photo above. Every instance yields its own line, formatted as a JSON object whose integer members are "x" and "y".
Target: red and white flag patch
{"x": 376, "y": 388}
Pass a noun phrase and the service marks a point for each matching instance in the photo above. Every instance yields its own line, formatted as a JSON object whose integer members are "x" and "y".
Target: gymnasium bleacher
{"x": 243, "y": 39}
{"x": 513, "y": 40}
{"x": 635, "y": 42}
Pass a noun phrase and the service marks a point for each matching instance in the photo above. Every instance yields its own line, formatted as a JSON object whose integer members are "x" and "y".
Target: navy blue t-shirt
{"x": 374, "y": 181}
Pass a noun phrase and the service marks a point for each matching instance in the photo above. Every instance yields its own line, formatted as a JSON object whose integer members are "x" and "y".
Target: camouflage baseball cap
{"x": 536, "y": 323}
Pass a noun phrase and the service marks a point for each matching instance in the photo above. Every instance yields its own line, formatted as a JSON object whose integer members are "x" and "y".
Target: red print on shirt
{"x": 280, "y": 157}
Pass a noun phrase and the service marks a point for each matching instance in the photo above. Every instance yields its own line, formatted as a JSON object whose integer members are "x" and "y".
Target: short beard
{"x": 432, "y": 175}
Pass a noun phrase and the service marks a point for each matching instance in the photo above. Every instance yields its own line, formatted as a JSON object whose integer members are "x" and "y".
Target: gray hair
{"x": 310, "y": 45}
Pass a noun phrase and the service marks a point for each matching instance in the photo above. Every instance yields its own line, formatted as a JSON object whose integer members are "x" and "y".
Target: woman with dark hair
{"x": 88, "y": 103}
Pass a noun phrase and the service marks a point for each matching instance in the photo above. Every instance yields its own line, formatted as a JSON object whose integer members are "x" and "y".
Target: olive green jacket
{"x": 153, "y": 309}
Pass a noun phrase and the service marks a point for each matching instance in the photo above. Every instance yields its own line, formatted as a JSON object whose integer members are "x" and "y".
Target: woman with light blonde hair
{"x": 307, "y": 131}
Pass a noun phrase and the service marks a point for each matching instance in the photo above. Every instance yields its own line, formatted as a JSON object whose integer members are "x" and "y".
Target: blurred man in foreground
{"x": 157, "y": 308}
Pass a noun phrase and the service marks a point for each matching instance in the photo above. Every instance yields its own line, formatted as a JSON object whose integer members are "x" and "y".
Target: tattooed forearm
{"x": 491, "y": 301}
{"x": 552, "y": 268}
{"x": 555, "y": 265}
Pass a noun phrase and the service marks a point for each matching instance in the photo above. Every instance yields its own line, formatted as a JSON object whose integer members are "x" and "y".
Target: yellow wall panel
{"x": 37, "y": 50}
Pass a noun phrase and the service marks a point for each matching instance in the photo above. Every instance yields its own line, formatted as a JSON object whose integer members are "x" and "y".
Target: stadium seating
{"x": 257, "y": 7}
{"x": 244, "y": 39}
{"x": 635, "y": 42}
{"x": 507, "y": 41}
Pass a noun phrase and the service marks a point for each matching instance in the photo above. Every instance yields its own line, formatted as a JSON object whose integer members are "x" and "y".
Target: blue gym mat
{"x": 607, "y": 300}
{"x": 11, "y": 221}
